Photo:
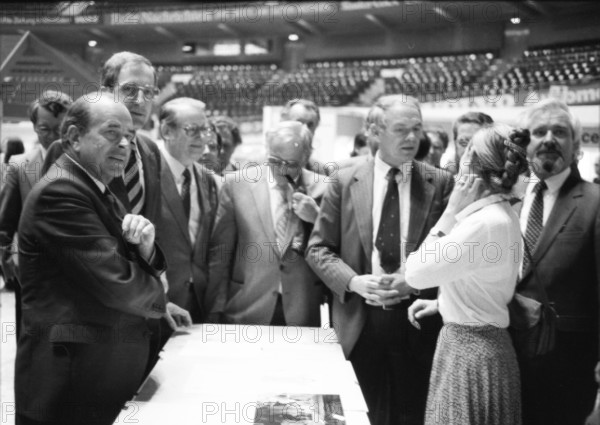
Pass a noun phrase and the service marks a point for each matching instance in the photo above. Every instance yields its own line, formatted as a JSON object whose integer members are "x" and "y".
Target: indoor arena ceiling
{"x": 148, "y": 21}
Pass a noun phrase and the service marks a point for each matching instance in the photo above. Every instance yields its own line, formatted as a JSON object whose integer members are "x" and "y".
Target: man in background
{"x": 229, "y": 132}
{"x": 46, "y": 114}
{"x": 463, "y": 130}
{"x": 439, "y": 144}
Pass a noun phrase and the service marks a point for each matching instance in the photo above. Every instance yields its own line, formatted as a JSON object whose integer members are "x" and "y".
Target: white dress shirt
{"x": 380, "y": 185}
{"x": 177, "y": 170}
{"x": 554, "y": 184}
{"x": 475, "y": 264}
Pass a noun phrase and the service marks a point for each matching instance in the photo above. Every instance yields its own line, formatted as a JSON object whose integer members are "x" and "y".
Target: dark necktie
{"x": 133, "y": 183}
{"x": 534, "y": 222}
{"x": 115, "y": 207}
{"x": 185, "y": 191}
{"x": 388, "y": 234}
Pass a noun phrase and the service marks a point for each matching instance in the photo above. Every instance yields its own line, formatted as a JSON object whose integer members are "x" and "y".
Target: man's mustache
{"x": 550, "y": 148}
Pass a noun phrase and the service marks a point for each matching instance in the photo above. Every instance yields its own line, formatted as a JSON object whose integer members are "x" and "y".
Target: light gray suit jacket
{"x": 246, "y": 264}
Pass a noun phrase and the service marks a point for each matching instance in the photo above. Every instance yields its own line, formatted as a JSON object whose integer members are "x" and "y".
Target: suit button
{"x": 281, "y": 267}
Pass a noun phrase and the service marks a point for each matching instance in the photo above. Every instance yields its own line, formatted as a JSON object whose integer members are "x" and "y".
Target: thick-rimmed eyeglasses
{"x": 131, "y": 91}
{"x": 194, "y": 130}
{"x": 278, "y": 162}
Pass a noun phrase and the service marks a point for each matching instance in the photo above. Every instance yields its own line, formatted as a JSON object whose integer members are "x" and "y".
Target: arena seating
{"x": 242, "y": 90}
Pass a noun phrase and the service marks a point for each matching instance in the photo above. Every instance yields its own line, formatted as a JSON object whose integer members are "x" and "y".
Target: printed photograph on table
{"x": 282, "y": 409}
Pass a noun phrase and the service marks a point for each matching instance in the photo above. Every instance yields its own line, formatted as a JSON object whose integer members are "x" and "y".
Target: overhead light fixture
{"x": 189, "y": 48}
{"x": 92, "y": 43}
{"x": 293, "y": 37}
{"x": 515, "y": 20}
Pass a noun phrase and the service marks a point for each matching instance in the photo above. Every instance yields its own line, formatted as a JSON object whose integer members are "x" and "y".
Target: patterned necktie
{"x": 282, "y": 215}
{"x": 388, "y": 234}
{"x": 133, "y": 184}
{"x": 185, "y": 191}
{"x": 534, "y": 222}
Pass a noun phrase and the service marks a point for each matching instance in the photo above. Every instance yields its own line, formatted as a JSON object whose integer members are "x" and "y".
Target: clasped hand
{"x": 384, "y": 290}
{"x": 305, "y": 207}
{"x": 138, "y": 230}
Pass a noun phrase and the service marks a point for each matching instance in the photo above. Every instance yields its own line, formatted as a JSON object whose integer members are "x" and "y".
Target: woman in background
{"x": 473, "y": 254}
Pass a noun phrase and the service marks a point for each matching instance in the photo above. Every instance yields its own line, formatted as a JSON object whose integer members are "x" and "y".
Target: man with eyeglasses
{"x": 463, "y": 130}
{"x": 189, "y": 203}
{"x": 131, "y": 79}
{"x": 229, "y": 134}
{"x": 258, "y": 274}
{"x": 214, "y": 148}
{"x": 372, "y": 216}
{"x": 24, "y": 171}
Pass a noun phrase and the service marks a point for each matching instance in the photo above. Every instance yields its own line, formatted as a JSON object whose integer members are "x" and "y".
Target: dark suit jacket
{"x": 188, "y": 264}
{"x": 86, "y": 293}
{"x": 246, "y": 266}
{"x": 341, "y": 243}
{"x": 567, "y": 257}
{"x": 22, "y": 174}
{"x": 151, "y": 161}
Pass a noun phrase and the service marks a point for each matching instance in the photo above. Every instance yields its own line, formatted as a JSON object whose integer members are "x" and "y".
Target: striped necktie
{"x": 282, "y": 215}
{"x": 133, "y": 183}
{"x": 534, "y": 222}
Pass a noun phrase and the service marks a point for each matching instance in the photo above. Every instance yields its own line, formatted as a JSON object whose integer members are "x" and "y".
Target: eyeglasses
{"x": 278, "y": 162}
{"x": 131, "y": 90}
{"x": 194, "y": 130}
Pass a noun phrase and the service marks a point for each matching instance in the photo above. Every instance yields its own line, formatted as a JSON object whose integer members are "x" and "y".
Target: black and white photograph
{"x": 307, "y": 212}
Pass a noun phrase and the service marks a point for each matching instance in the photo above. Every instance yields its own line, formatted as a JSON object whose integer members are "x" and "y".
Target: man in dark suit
{"x": 371, "y": 217}
{"x": 24, "y": 171}
{"x": 90, "y": 279}
{"x": 561, "y": 223}
{"x": 258, "y": 274}
{"x": 189, "y": 202}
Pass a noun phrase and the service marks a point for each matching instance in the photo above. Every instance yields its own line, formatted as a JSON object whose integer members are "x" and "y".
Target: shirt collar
{"x": 383, "y": 167}
{"x": 554, "y": 182}
{"x": 482, "y": 203}
{"x": 273, "y": 183}
{"x": 176, "y": 167}
{"x": 98, "y": 183}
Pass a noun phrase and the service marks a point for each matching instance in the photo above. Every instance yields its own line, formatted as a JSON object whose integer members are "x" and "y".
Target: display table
{"x": 236, "y": 374}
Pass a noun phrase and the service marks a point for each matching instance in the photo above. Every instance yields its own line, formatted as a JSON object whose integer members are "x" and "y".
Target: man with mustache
{"x": 561, "y": 224}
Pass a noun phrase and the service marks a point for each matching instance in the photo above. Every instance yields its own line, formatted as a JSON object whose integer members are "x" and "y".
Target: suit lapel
{"x": 421, "y": 196}
{"x": 202, "y": 181}
{"x": 150, "y": 166}
{"x": 173, "y": 200}
{"x": 361, "y": 192}
{"x": 260, "y": 194}
{"x": 565, "y": 206}
{"x": 34, "y": 167}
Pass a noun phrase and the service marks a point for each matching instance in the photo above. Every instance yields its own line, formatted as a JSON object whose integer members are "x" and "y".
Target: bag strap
{"x": 533, "y": 264}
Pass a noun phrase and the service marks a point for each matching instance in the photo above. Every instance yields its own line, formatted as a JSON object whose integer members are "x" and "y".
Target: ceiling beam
{"x": 166, "y": 33}
{"x": 378, "y": 22}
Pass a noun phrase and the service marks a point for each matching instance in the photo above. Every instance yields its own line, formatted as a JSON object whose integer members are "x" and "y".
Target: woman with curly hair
{"x": 473, "y": 254}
